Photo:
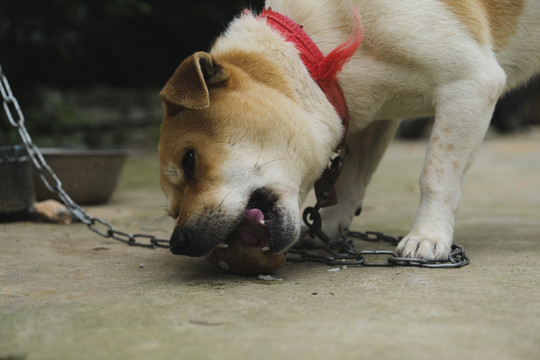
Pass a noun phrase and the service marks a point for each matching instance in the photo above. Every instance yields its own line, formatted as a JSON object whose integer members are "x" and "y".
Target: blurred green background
{"x": 74, "y": 43}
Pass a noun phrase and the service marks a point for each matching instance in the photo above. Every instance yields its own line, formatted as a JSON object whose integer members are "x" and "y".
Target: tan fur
{"x": 187, "y": 193}
{"x": 489, "y": 21}
{"x": 503, "y": 16}
{"x": 260, "y": 69}
{"x": 187, "y": 86}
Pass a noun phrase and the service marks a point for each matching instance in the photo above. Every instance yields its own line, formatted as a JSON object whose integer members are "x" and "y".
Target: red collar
{"x": 322, "y": 69}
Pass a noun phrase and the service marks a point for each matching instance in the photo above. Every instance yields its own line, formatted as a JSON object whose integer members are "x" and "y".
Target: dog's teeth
{"x": 262, "y": 222}
{"x": 265, "y": 248}
{"x": 222, "y": 245}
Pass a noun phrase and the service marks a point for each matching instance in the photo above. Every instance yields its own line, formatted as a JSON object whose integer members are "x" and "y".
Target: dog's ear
{"x": 188, "y": 87}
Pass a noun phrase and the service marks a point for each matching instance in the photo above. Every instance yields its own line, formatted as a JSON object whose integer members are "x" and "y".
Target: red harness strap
{"x": 322, "y": 69}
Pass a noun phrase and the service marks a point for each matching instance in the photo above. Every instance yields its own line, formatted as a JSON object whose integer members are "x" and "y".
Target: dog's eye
{"x": 188, "y": 164}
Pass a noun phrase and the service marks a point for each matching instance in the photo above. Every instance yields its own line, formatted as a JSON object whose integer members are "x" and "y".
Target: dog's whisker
{"x": 259, "y": 157}
{"x": 204, "y": 203}
{"x": 161, "y": 219}
{"x": 155, "y": 224}
{"x": 225, "y": 197}
{"x": 259, "y": 167}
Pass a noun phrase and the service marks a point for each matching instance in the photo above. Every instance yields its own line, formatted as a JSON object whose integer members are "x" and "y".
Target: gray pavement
{"x": 66, "y": 293}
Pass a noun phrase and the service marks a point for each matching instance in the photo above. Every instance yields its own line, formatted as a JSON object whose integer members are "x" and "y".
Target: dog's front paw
{"x": 423, "y": 247}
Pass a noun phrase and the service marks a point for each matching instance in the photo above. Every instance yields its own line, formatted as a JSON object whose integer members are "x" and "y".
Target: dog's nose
{"x": 182, "y": 243}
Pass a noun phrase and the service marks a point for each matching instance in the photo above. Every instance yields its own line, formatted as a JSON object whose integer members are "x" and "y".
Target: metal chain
{"x": 53, "y": 183}
{"x": 341, "y": 250}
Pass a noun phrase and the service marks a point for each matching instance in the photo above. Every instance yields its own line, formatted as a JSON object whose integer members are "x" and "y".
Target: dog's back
{"x": 519, "y": 53}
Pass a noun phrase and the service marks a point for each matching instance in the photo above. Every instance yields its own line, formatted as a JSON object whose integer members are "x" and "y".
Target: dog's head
{"x": 236, "y": 156}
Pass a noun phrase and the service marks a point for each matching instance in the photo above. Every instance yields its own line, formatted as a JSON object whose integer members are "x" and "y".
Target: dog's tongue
{"x": 252, "y": 230}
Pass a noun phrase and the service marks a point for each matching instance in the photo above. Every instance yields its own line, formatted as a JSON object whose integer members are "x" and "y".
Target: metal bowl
{"x": 16, "y": 191}
{"x": 88, "y": 176}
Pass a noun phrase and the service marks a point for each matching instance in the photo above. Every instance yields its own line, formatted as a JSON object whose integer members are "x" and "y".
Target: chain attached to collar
{"x": 341, "y": 250}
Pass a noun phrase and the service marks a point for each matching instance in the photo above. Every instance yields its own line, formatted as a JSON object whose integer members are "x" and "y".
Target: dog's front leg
{"x": 366, "y": 149}
{"x": 462, "y": 117}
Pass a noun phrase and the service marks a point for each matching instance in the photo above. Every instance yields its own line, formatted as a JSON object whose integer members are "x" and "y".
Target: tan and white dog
{"x": 247, "y": 131}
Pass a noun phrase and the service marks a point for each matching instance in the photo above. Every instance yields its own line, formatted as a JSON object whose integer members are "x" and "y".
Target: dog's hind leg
{"x": 366, "y": 149}
{"x": 463, "y": 111}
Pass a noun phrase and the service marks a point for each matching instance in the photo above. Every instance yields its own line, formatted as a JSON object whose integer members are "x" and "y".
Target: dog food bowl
{"x": 87, "y": 176}
{"x": 17, "y": 188}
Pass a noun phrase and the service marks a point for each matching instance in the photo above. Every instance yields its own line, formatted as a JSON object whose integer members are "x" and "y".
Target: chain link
{"x": 53, "y": 183}
{"x": 341, "y": 250}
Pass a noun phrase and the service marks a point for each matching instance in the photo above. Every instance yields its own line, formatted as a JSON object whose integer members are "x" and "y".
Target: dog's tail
{"x": 333, "y": 62}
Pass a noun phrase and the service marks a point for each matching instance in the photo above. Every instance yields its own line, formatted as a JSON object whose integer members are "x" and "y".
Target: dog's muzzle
{"x": 262, "y": 224}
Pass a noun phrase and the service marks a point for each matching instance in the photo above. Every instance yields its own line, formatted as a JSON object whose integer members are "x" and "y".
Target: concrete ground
{"x": 66, "y": 293}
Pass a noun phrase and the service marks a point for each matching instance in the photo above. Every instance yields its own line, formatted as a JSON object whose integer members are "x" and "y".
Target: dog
{"x": 247, "y": 130}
